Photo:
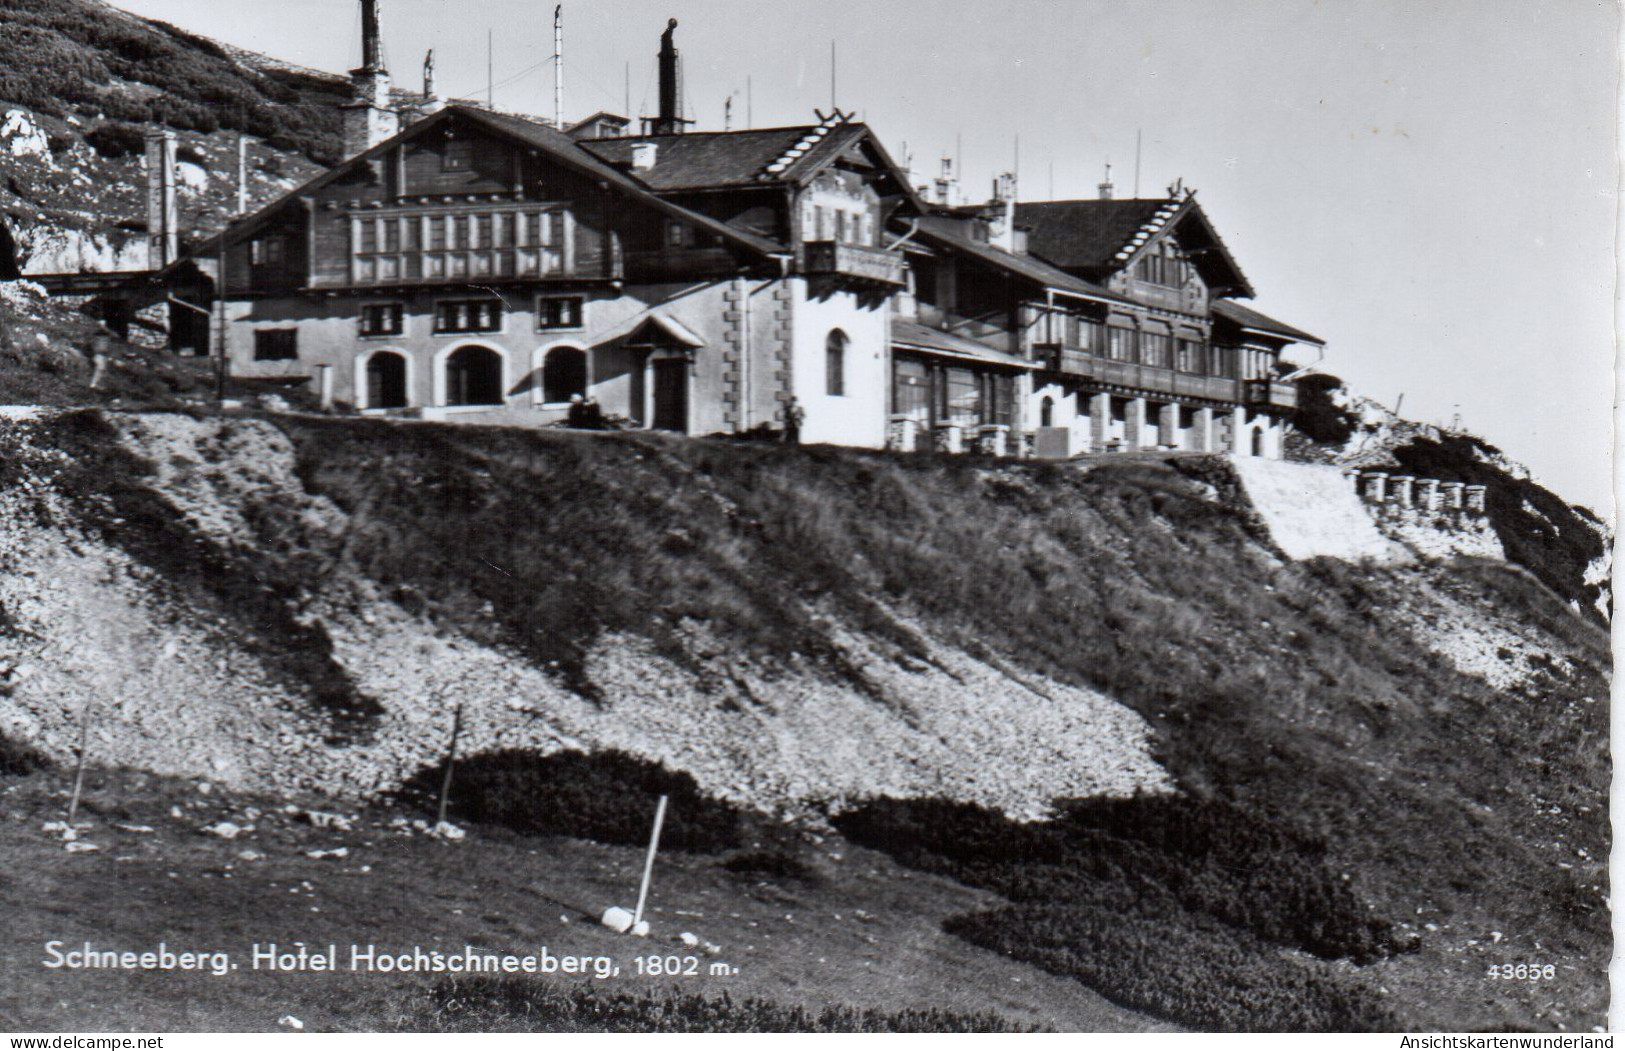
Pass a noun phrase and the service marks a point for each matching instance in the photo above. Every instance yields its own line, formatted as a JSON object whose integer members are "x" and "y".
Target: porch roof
{"x": 910, "y": 335}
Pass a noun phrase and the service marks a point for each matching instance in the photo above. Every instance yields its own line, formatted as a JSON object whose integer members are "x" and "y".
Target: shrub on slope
{"x": 63, "y": 56}
{"x": 606, "y": 796}
{"x": 1537, "y": 528}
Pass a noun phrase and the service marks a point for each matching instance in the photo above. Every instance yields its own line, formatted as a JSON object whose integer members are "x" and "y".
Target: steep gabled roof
{"x": 953, "y": 233}
{"x": 711, "y": 160}
{"x": 1101, "y": 237}
{"x": 555, "y": 144}
{"x": 1249, "y": 320}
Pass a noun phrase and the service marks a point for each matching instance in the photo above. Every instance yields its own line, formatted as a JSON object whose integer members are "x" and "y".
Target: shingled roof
{"x": 1083, "y": 235}
{"x": 1096, "y": 238}
{"x": 703, "y": 160}
{"x": 1247, "y": 318}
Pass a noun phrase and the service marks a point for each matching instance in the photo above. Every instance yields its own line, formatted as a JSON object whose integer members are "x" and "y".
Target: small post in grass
{"x": 649, "y": 863}
{"x": 79, "y": 764}
{"x": 451, "y": 760}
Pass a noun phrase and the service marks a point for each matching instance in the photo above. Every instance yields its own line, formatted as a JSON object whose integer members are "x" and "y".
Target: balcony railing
{"x": 1272, "y": 394}
{"x": 838, "y": 259}
{"x": 1127, "y": 374}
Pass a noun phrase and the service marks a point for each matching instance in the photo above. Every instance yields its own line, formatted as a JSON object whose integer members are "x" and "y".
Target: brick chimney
{"x": 1001, "y": 214}
{"x": 370, "y": 118}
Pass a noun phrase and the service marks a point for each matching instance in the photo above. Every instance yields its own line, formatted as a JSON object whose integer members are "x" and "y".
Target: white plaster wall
{"x": 859, "y": 416}
{"x": 329, "y": 334}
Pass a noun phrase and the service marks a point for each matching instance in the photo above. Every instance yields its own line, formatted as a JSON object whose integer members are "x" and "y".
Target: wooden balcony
{"x": 1272, "y": 394}
{"x": 1135, "y": 377}
{"x": 859, "y": 262}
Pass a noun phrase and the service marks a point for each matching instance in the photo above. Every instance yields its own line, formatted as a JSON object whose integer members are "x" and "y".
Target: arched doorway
{"x": 474, "y": 376}
{"x": 386, "y": 380}
{"x": 564, "y": 374}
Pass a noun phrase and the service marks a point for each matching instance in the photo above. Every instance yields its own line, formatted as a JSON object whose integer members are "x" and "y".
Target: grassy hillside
{"x": 63, "y": 57}
{"x": 1393, "y": 823}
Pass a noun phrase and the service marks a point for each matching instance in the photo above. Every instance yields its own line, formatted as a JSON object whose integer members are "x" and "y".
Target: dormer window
{"x": 678, "y": 234}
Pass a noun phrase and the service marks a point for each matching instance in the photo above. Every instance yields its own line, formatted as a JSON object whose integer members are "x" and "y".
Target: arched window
{"x": 386, "y": 380}
{"x": 564, "y": 373}
{"x": 1046, "y": 412}
{"x": 1258, "y": 442}
{"x": 474, "y": 376}
{"x": 835, "y": 362}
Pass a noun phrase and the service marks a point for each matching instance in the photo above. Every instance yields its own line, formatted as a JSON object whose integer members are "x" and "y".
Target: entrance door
{"x": 386, "y": 381}
{"x": 671, "y": 394}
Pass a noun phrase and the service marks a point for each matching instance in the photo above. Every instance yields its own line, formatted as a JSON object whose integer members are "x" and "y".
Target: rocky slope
{"x": 1567, "y": 546}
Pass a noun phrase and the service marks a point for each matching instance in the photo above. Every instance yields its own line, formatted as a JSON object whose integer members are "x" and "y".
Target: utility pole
{"x": 242, "y": 173}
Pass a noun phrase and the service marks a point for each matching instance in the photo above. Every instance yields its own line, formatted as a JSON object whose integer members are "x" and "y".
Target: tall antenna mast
{"x": 490, "y": 69}
{"x": 832, "y": 74}
{"x": 558, "y": 67}
{"x": 1139, "y": 135}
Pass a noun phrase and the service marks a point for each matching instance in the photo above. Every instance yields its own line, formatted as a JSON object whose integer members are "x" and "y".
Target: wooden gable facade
{"x": 457, "y": 199}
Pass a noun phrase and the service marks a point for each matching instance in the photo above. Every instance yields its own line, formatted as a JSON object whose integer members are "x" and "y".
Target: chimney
{"x": 947, "y": 186}
{"x": 432, "y": 102}
{"x": 1001, "y": 213}
{"x": 643, "y": 155}
{"x": 670, "y": 121}
{"x": 370, "y": 118}
{"x": 163, "y": 222}
{"x": 1106, "y": 187}
{"x": 372, "y": 51}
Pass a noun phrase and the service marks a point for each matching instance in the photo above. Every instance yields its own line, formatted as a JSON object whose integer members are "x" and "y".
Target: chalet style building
{"x": 464, "y": 264}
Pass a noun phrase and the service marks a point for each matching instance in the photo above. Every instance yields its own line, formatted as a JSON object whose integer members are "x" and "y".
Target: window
{"x": 459, "y": 156}
{"x": 676, "y": 233}
{"x": 564, "y": 374}
{"x": 468, "y": 315}
{"x": 383, "y": 319}
{"x": 911, "y": 390}
{"x": 1121, "y": 346}
{"x": 961, "y": 397}
{"x": 835, "y": 363}
{"x": 276, "y": 344}
{"x": 1192, "y": 356}
{"x": 998, "y": 400}
{"x": 1162, "y": 266}
{"x": 1046, "y": 412}
{"x": 554, "y": 312}
{"x": 1154, "y": 349}
{"x": 267, "y": 251}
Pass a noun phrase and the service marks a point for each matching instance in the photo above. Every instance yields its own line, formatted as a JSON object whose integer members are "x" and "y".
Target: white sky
{"x": 1428, "y": 186}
